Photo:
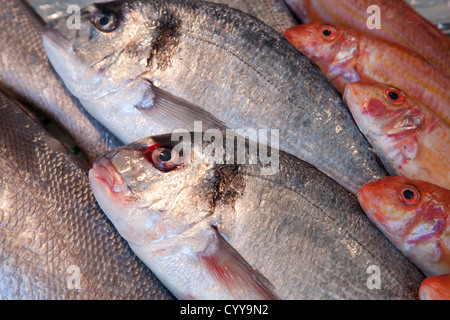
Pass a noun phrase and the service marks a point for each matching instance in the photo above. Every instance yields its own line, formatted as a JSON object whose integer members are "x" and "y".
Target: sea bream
{"x": 213, "y": 227}
{"x": 150, "y": 67}
{"x": 275, "y": 13}
{"x": 55, "y": 242}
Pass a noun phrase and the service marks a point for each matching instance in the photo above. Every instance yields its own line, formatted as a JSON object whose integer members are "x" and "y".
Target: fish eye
{"x": 394, "y": 95}
{"x": 409, "y": 195}
{"x": 328, "y": 32}
{"x": 105, "y": 21}
{"x": 162, "y": 158}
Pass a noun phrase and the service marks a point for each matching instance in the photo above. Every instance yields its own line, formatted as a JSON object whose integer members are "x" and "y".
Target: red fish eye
{"x": 409, "y": 195}
{"x": 162, "y": 158}
{"x": 394, "y": 95}
{"x": 328, "y": 32}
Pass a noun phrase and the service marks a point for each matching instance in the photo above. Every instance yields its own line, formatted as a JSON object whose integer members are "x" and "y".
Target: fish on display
{"x": 435, "y": 288}
{"x": 144, "y": 68}
{"x": 212, "y": 228}
{"x": 399, "y": 23}
{"x": 409, "y": 138}
{"x": 345, "y": 56}
{"x": 55, "y": 242}
{"x": 26, "y": 71}
{"x": 275, "y": 13}
{"x": 414, "y": 215}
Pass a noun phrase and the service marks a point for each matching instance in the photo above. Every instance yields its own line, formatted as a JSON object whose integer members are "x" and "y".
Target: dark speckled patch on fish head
{"x": 113, "y": 45}
{"x": 166, "y": 39}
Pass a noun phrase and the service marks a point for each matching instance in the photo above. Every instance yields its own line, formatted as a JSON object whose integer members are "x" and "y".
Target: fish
{"x": 158, "y": 66}
{"x": 398, "y": 22}
{"x": 211, "y": 226}
{"x": 345, "y": 56}
{"x": 435, "y": 288}
{"x": 275, "y": 13}
{"x": 55, "y": 241}
{"x": 410, "y": 139}
{"x": 26, "y": 72}
{"x": 414, "y": 215}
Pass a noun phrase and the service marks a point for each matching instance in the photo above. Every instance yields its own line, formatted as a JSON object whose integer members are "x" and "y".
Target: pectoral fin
{"x": 230, "y": 269}
{"x": 161, "y": 106}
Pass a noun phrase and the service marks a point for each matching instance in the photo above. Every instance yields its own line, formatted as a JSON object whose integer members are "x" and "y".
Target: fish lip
{"x": 105, "y": 172}
{"x": 51, "y": 34}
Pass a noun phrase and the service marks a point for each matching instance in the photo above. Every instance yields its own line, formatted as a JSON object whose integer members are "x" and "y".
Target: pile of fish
{"x": 233, "y": 152}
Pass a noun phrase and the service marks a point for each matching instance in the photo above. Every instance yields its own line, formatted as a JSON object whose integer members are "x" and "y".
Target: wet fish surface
{"x": 216, "y": 230}
{"x": 150, "y": 67}
{"x": 410, "y": 139}
{"x": 345, "y": 55}
{"x": 435, "y": 288}
{"x": 399, "y": 23}
{"x": 55, "y": 242}
{"x": 26, "y": 71}
{"x": 414, "y": 215}
{"x": 275, "y": 13}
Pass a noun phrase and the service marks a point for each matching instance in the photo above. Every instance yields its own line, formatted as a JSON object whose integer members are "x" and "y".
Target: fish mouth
{"x": 104, "y": 172}
{"x": 53, "y": 36}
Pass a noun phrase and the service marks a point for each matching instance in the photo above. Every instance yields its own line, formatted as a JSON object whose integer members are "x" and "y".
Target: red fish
{"x": 410, "y": 139}
{"x": 346, "y": 56}
{"x": 435, "y": 288}
{"x": 399, "y": 23}
{"x": 414, "y": 215}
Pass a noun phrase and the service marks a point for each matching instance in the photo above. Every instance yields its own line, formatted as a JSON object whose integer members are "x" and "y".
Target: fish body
{"x": 435, "y": 288}
{"x": 399, "y": 23}
{"x": 414, "y": 215}
{"x": 26, "y": 71}
{"x": 275, "y": 13}
{"x": 55, "y": 242}
{"x": 215, "y": 228}
{"x": 345, "y": 55}
{"x": 162, "y": 65}
{"x": 410, "y": 139}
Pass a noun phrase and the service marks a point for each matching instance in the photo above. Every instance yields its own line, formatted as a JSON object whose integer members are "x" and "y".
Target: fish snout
{"x": 104, "y": 171}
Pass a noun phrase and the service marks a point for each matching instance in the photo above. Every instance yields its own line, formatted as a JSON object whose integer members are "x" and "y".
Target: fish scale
{"x": 50, "y": 221}
{"x": 26, "y": 71}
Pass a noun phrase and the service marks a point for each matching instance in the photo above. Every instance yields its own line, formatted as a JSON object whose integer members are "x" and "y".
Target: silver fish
{"x": 274, "y": 13}
{"x": 221, "y": 230}
{"x": 55, "y": 242}
{"x": 150, "y": 67}
{"x": 26, "y": 71}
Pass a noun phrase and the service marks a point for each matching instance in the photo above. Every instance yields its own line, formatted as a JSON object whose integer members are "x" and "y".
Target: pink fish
{"x": 399, "y": 23}
{"x": 409, "y": 138}
{"x": 345, "y": 56}
{"x": 414, "y": 215}
{"x": 435, "y": 288}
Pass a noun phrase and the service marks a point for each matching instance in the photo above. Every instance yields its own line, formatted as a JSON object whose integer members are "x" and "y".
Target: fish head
{"x": 104, "y": 46}
{"x": 413, "y": 214}
{"x": 327, "y": 45}
{"x": 383, "y": 112}
{"x": 152, "y": 190}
